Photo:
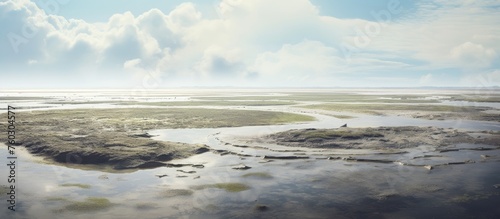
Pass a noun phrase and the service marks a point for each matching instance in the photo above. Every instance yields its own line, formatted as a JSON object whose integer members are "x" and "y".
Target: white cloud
{"x": 473, "y": 55}
{"x": 269, "y": 41}
{"x": 218, "y": 62}
{"x": 444, "y": 33}
{"x": 58, "y": 42}
{"x": 185, "y": 15}
{"x": 297, "y": 61}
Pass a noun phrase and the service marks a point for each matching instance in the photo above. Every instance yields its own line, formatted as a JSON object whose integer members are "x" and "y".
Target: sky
{"x": 249, "y": 43}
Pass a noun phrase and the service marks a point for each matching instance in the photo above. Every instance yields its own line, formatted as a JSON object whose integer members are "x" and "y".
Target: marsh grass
{"x": 78, "y": 185}
{"x": 228, "y": 187}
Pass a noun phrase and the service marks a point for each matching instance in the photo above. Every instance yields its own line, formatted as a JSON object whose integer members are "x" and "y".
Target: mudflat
{"x": 380, "y": 137}
{"x": 118, "y": 138}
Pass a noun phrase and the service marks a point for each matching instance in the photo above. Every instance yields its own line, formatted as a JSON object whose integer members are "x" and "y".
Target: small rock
{"x": 484, "y": 156}
{"x": 196, "y": 177}
{"x": 429, "y": 167}
{"x": 183, "y": 171}
{"x": 344, "y": 125}
{"x": 198, "y": 166}
{"x": 497, "y": 186}
{"x": 161, "y": 175}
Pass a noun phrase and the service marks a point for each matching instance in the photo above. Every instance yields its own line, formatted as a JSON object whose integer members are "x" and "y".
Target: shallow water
{"x": 300, "y": 188}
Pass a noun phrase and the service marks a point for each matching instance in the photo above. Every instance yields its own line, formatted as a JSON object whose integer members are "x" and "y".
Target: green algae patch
{"x": 176, "y": 192}
{"x": 78, "y": 185}
{"x": 228, "y": 187}
{"x": 90, "y": 204}
{"x": 258, "y": 175}
{"x": 4, "y": 190}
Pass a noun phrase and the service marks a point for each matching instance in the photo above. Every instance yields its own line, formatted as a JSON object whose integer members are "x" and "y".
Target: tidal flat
{"x": 118, "y": 137}
{"x": 424, "y": 111}
{"x": 384, "y": 138}
{"x": 273, "y": 153}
